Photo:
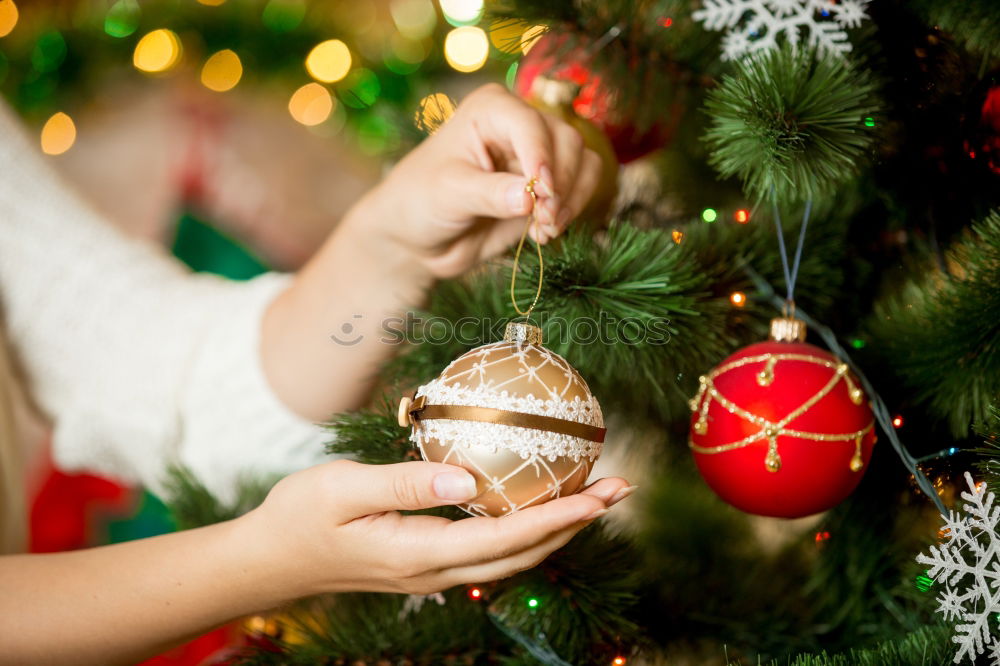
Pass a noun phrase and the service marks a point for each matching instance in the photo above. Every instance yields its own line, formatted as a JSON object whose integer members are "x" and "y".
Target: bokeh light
{"x": 405, "y": 55}
{"x": 415, "y": 19}
{"x": 222, "y": 71}
{"x": 212, "y": 3}
{"x": 897, "y": 421}
{"x": 58, "y": 134}
{"x": 434, "y": 110}
{"x": 709, "y": 215}
{"x": 122, "y": 18}
{"x": 506, "y": 34}
{"x": 311, "y": 104}
{"x": 377, "y": 134}
{"x": 677, "y": 235}
{"x": 738, "y": 298}
{"x": 329, "y": 61}
{"x": 462, "y": 12}
{"x": 742, "y": 216}
{"x": 531, "y": 37}
{"x": 466, "y": 48}
{"x": 158, "y": 51}
{"x": 283, "y": 15}
{"x": 49, "y": 52}
{"x": 359, "y": 89}
{"x": 8, "y": 17}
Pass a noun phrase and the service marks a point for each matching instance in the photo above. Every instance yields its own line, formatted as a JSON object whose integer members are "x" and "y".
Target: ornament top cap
{"x": 788, "y": 329}
{"x": 519, "y": 331}
{"x": 554, "y": 92}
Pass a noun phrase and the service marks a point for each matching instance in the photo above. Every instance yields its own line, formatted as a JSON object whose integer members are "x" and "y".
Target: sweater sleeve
{"x": 138, "y": 362}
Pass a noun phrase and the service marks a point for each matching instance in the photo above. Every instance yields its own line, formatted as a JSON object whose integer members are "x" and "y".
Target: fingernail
{"x": 454, "y": 486}
{"x": 544, "y": 184}
{"x": 517, "y": 199}
{"x": 621, "y": 494}
{"x": 597, "y": 514}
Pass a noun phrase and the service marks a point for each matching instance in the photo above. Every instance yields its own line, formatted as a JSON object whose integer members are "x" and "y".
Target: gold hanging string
{"x": 530, "y": 189}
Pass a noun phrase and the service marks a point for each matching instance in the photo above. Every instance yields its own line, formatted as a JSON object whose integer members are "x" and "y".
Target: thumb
{"x": 368, "y": 489}
{"x": 494, "y": 194}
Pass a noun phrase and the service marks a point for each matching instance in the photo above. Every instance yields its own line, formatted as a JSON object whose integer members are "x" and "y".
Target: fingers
{"x": 512, "y": 564}
{"x": 610, "y": 491}
{"x": 487, "y": 194}
{"x": 477, "y": 540}
{"x": 360, "y": 490}
{"x": 586, "y": 182}
{"x": 506, "y": 122}
{"x": 544, "y": 146}
{"x": 568, "y": 151}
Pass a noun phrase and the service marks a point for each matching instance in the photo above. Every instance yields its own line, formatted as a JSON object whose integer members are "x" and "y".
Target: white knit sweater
{"x": 138, "y": 362}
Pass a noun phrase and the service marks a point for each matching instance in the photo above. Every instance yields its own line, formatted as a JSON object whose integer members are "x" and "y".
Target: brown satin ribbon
{"x": 420, "y": 410}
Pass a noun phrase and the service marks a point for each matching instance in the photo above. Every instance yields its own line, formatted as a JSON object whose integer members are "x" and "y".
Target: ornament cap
{"x": 788, "y": 329}
{"x": 519, "y": 331}
{"x": 554, "y": 92}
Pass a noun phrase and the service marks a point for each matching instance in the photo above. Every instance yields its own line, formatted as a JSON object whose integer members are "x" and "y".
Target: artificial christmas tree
{"x": 856, "y": 122}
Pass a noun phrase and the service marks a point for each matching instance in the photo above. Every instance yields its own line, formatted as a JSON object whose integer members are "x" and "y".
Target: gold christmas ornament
{"x": 514, "y": 414}
{"x": 517, "y": 416}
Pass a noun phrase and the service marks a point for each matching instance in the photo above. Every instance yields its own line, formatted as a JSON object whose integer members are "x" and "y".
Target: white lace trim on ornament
{"x": 526, "y": 442}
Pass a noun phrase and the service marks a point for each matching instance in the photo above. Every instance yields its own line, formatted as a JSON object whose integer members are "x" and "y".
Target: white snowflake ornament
{"x": 757, "y": 25}
{"x": 967, "y": 563}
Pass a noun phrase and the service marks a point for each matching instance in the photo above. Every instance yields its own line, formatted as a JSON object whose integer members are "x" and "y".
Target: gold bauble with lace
{"x": 514, "y": 414}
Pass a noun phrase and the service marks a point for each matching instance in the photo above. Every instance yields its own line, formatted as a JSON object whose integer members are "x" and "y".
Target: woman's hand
{"x": 335, "y": 528}
{"x": 459, "y": 198}
{"x": 453, "y": 202}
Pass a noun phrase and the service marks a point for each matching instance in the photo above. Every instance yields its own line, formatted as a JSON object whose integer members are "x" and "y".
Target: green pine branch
{"x": 790, "y": 124}
{"x": 942, "y": 333}
{"x": 193, "y": 505}
{"x": 927, "y": 646}
{"x": 974, "y": 23}
{"x": 371, "y": 436}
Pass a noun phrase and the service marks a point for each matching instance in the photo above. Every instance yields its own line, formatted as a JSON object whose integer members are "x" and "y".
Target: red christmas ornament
{"x": 594, "y": 101}
{"x": 984, "y": 144}
{"x": 781, "y": 428}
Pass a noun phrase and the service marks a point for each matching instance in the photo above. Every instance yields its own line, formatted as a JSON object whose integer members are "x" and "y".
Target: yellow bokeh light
{"x": 531, "y": 37}
{"x": 414, "y": 18}
{"x": 462, "y": 11}
{"x": 58, "y": 134}
{"x": 329, "y": 61}
{"x": 466, "y": 48}
{"x": 408, "y": 50}
{"x": 8, "y": 17}
{"x": 311, "y": 104}
{"x": 211, "y": 3}
{"x": 434, "y": 111}
{"x": 506, "y": 34}
{"x": 222, "y": 71}
{"x": 157, "y": 51}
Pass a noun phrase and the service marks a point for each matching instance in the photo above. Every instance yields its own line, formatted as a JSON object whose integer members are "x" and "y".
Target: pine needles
{"x": 942, "y": 333}
{"x": 790, "y": 123}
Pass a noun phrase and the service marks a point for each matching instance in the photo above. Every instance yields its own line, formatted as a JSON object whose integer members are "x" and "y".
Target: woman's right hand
{"x": 335, "y": 528}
